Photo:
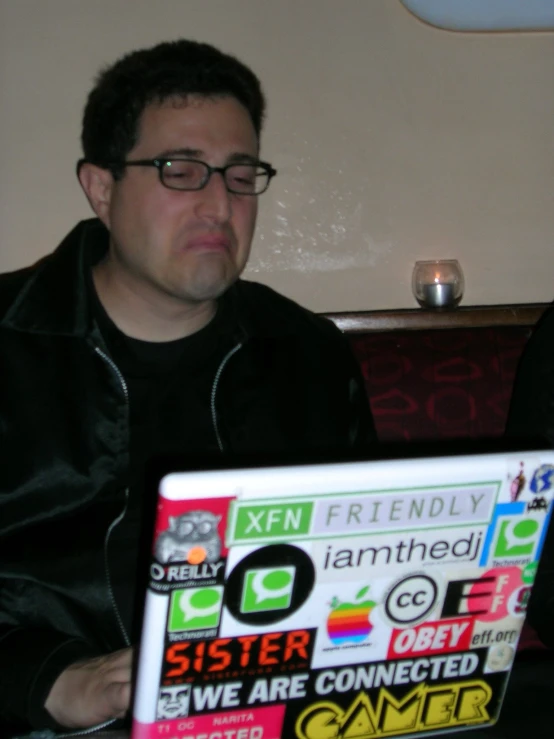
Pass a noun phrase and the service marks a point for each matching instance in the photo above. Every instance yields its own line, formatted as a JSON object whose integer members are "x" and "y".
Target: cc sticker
{"x": 411, "y": 599}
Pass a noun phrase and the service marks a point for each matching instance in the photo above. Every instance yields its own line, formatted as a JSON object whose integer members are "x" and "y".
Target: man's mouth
{"x": 210, "y": 242}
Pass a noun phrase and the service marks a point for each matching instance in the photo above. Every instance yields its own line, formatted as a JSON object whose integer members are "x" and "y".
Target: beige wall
{"x": 394, "y": 141}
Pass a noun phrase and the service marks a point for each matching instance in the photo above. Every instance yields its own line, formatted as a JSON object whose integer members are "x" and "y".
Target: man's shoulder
{"x": 11, "y": 284}
{"x": 546, "y": 322}
{"x": 542, "y": 339}
{"x": 48, "y": 287}
{"x": 272, "y": 312}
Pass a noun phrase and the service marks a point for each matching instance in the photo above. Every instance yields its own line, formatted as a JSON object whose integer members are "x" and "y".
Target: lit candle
{"x": 438, "y": 295}
{"x": 438, "y": 283}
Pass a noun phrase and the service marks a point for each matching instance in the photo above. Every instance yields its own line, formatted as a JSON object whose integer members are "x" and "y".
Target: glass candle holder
{"x": 438, "y": 284}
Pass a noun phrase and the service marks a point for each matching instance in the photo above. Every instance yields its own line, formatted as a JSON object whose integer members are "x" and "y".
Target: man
{"x": 136, "y": 337}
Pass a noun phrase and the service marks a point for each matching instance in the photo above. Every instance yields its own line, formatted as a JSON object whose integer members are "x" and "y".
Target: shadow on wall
{"x": 485, "y": 15}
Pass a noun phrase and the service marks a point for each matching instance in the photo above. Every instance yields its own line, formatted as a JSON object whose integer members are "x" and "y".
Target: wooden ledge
{"x": 479, "y": 316}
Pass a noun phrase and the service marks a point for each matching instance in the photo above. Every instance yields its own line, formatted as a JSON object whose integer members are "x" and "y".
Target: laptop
{"x": 339, "y": 601}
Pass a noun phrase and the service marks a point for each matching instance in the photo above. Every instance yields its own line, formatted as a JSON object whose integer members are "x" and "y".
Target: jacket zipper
{"x": 80, "y": 732}
{"x": 118, "y": 518}
{"x": 93, "y": 729}
{"x": 115, "y": 368}
{"x": 220, "y": 369}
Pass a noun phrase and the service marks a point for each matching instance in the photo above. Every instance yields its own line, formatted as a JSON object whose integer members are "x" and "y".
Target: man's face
{"x": 183, "y": 248}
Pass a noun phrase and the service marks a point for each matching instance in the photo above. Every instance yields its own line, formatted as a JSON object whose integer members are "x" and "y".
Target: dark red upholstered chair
{"x": 441, "y": 375}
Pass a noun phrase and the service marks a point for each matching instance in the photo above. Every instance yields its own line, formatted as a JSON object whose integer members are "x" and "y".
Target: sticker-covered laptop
{"x": 339, "y": 601}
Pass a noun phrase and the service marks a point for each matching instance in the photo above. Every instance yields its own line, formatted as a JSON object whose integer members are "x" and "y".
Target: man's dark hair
{"x": 172, "y": 69}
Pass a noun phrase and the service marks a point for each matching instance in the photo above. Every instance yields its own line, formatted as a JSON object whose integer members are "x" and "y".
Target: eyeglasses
{"x": 193, "y": 174}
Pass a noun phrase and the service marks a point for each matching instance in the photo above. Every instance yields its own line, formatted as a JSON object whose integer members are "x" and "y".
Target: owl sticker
{"x": 191, "y": 537}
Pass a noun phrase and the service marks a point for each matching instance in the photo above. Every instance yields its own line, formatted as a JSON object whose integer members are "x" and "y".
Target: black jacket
{"x": 531, "y": 423}
{"x": 289, "y": 384}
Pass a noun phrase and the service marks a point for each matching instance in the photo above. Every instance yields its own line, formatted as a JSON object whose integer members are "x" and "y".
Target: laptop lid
{"x": 339, "y": 601}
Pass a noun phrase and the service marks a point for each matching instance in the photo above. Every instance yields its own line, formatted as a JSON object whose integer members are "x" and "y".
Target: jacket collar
{"x": 54, "y": 299}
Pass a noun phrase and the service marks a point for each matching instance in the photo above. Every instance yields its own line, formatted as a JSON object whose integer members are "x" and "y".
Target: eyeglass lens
{"x": 183, "y": 174}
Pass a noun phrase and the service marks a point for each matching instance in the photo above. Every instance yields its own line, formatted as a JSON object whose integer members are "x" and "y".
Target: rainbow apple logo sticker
{"x": 350, "y": 621}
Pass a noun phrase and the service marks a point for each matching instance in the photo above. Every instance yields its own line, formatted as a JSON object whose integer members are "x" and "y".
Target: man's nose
{"x": 215, "y": 200}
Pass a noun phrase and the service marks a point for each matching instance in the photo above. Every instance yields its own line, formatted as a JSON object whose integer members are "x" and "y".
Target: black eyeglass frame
{"x": 159, "y": 164}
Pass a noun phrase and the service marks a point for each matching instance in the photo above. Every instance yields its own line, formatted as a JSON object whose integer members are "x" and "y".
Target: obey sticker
{"x": 432, "y": 637}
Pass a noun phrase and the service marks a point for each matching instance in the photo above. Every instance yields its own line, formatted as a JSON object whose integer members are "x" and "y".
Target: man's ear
{"x": 97, "y": 184}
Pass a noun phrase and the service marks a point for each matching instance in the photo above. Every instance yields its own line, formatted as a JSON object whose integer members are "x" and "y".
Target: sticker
{"x": 542, "y": 481}
{"x": 500, "y": 657}
{"x": 517, "y": 483}
{"x": 484, "y": 597}
{"x": 217, "y": 657}
{"x": 483, "y": 637}
{"x": 518, "y": 600}
{"x": 516, "y": 537}
{"x": 370, "y": 513}
{"x": 193, "y": 609}
{"x": 351, "y": 627}
{"x": 263, "y": 522}
{"x": 513, "y": 537}
{"x": 173, "y": 701}
{"x": 267, "y": 589}
{"x": 431, "y": 637}
{"x": 269, "y": 584}
{"x": 411, "y": 599}
{"x": 255, "y": 723}
{"x": 183, "y": 530}
{"x": 339, "y": 559}
{"x": 424, "y": 707}
{"x": 529, "y": 572}
{"x": 349, "y": 621}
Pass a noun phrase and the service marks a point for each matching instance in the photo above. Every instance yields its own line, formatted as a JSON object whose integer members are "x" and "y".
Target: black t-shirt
{"x": 169, "y": 388}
